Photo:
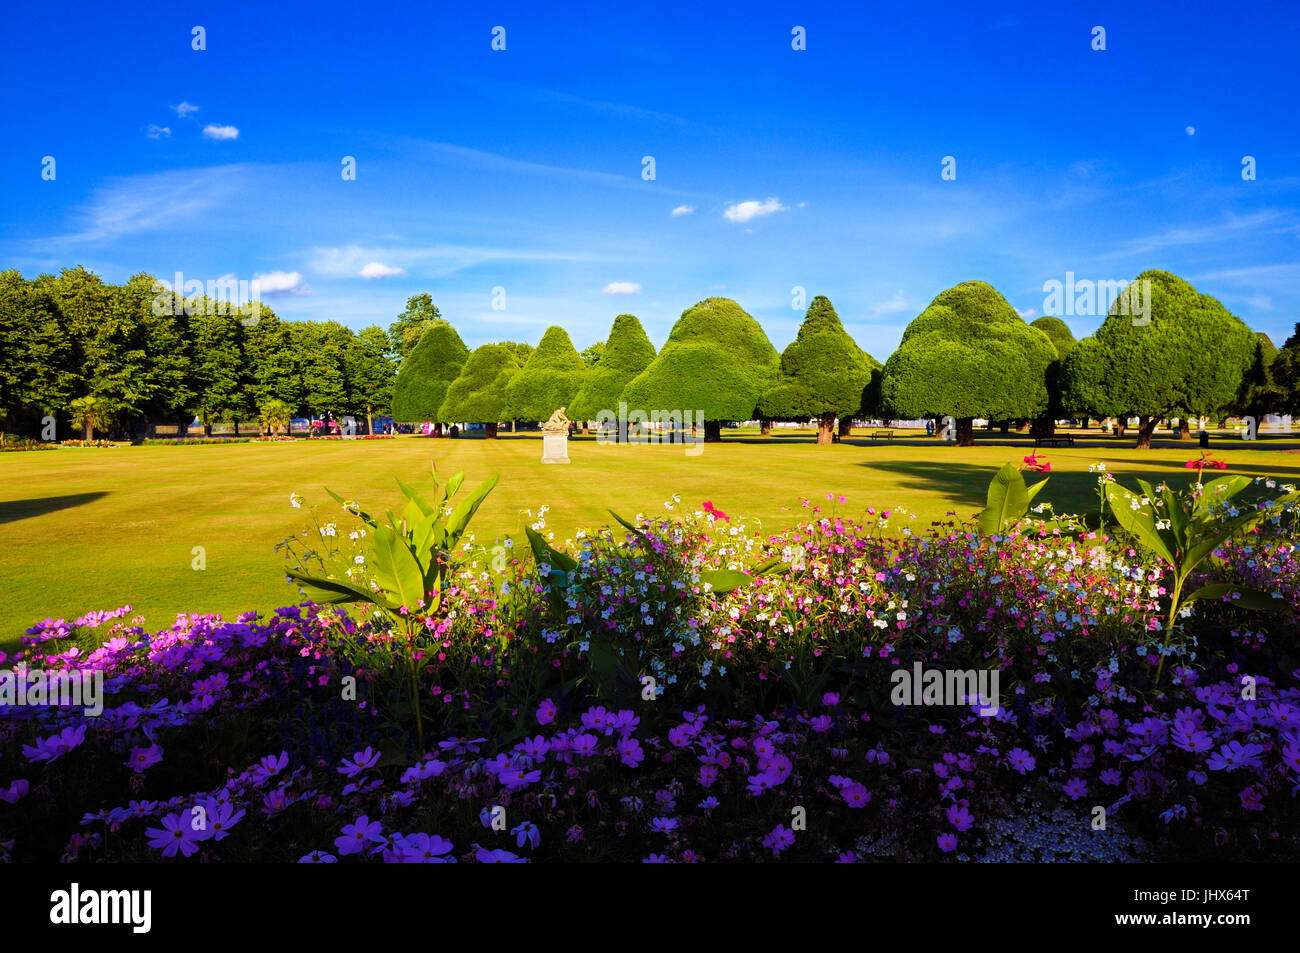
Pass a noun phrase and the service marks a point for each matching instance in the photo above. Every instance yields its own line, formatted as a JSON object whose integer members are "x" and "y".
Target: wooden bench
{"x": 166, "y": 430}
{"x": 883, "y": 435}
{"x": 1062, "y": 440}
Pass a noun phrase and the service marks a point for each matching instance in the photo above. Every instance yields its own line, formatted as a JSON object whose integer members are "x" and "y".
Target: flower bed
{"x": 629, "y": 697}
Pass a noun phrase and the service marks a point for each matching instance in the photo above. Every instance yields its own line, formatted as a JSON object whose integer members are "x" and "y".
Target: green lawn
{"x": 93, "y": 529}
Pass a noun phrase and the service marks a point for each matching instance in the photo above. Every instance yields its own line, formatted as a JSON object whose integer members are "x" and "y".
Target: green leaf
{"x": 334, "y": 591}
{"x": 365, "y": 517}
{"x": 1007, "y": 500}
{"x": 724, "y": 580}
{"x": 628, "y": 526}
{"x": 1140, "y": 524}
{"x": 396, "y": 569}
{"x": 543, "y": 552}
{"x": 415, "y": 497}
{"x": 1032, "y": 491}
{"x": 1247, "y": 597}
{"x": 453, "y": 485}
{"x": 461, "y": 516}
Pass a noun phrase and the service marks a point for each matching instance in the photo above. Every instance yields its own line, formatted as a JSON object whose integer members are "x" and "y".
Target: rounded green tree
{"x": 548, "y": 381}
{"x": 967, "y": 355}
{"x": 717, "y": 362}
{"x": 823, "y": 373}
{"x": 626, "y": 354}
{"x": 478, "y": 395}
{"x": 434, "y": 362}
{"x": 1164, "y": 350}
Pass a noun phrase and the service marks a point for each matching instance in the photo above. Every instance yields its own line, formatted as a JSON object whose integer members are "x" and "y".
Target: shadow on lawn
{"x": 11, "y": 511}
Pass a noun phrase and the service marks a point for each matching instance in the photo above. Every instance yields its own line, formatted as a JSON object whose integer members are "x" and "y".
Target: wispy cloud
{"x": 683, "y": 210}
{"x": 184, "y": 109}
{"x": 895, "y": 305}
{"x": 429, "y": 260}
{"x": 744, "y": 211}
{"x": 157, "y": 132}
{"x": 161, "y": 200}
{"x": 1231, "y": 228}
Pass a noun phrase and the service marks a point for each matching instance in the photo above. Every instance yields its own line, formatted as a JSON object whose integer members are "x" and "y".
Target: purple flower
{"x": 527, "y": 832}
{"x": 175, "y": 835}
{"x": 423, "y": 849}
{"x": 1235, "y": 755}
{"x": 947, "y": 843}
{"x": 546, "y": 712}
{"x": 779, "y": 839}
{"x": 1075, "y": 788}
{"x": 142, "y": 758}
{"x": 485, "y": 856}
{"x": 361, "y": 761}
{"x": 1021, "y": 760}
{"x": 55, "y": 746}
{"x": 855, "y": 795}
{"x": 630, "y": 753}
{"x": 318, "y": 857}
{"x": 959, "y": 817}
{"x": 356, "y": 837}
{"x": 16, "y": 791}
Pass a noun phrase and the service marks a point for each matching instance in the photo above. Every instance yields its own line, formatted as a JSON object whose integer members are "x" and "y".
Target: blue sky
{"x": 522, "y": 168}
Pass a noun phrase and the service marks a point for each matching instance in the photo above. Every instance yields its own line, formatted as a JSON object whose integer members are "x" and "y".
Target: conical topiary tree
{"x": 967, "y": 355}
{"x": 717, "y": 361}
{"x": 478, "y": 395}
{"x": 434, "y": 362}
{"x": 823, "y": 373}
{"x": 1184, "y": 356}
{"x": 627, "y": 353}
{"x": 548, "y": 381}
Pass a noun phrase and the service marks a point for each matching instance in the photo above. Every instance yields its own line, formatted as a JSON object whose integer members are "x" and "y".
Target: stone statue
{"x": 557, "y": 424}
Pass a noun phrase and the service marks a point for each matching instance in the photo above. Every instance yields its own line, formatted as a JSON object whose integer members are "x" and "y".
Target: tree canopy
{"x": 1188, "y": 360}
{"x": 549, "y": 379}
{"x": 623, "y": 356}
{"x": 717, "y": 361}
{"x": 968, "y": 354}
{"x": 823, "y": 373}
{"x": 478, "y": 394}
{"x": 434, "y": 362}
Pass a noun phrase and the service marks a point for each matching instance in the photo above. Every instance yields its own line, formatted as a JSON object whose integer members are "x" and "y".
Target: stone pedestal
{"x": 555, "y": 447}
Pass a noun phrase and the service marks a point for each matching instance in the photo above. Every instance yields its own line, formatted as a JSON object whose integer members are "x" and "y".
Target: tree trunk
{"x": 1147, "y": 428}
{"x": 966, "y": 432}
{"x": 825, "y": 427}
{"x": 846, "y": 427}
{"x": 1043, "y": 427}
{"x": 1005, "y": 426}
{"x": 765, "y": 428}
{"x": 1184, "y": 430}
{"x": 713, "y": 431}
{"x": 492, "y": 431}
{"x": 90, "y": 427}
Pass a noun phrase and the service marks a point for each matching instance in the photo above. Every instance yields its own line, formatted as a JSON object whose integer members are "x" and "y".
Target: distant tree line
{"x": 100, "y": 357}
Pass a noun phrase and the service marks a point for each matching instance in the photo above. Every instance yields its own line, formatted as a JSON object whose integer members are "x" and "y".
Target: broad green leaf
{"x": 364, "y": 516}
{"x": 543, "y": 552}
{"x": 463, "y": 513}
{"x": 1135, "y": 521}
{"x": 415, "y": 497}
{"x": 1031, "y": 492}
{"x": 453, "y": 485}
{"x": 1007, "y": 500}
{"x": 632, "y": 529}
{"x": 724, "y": 580}
{"x": 396, "y": 569}
{"x": 334, "y": 591}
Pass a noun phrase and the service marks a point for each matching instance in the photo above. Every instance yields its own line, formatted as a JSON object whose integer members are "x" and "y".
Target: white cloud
{"x": 622, "y": 288}
{"x": 184, "y": 109}
{"x": 158, "y": 132}
{"x": 213, "y": 131}
{"x": 1028, "y": 313}
{"x": 1191, "y": 130}
{"x": 282, "y": 282}
{"x": 376, "y": 269}
{"x": 684, "y": 210}
{"x": 744, "y": 211}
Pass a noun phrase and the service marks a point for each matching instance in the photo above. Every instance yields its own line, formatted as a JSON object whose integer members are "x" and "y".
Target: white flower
{"x": 359, "y": 560}
{"x": 294, "y": 501}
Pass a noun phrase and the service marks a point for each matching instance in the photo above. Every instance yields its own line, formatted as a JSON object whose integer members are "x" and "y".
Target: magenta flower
{"x": 779, "y": 839}
{"x": 143, "y": 758}
{"x": 55, "y": 746}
